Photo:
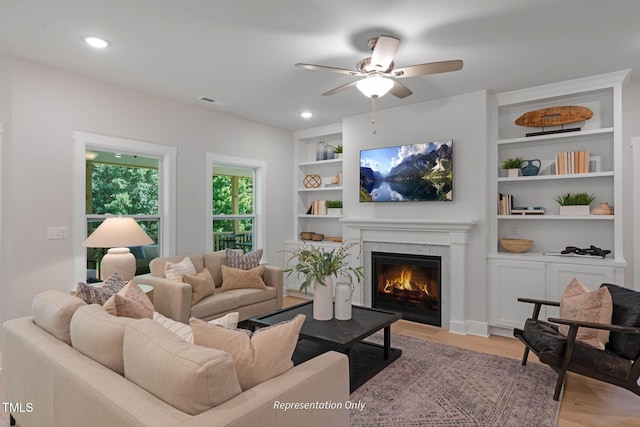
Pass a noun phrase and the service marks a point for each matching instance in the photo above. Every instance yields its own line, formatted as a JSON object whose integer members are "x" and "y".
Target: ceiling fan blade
{"x": 399, "y": 90}
{"x": 383, "y": 52}
{"x": 331, "y": 69}
{"x": 430, "y": 68}
{"x": 340, "y": 89}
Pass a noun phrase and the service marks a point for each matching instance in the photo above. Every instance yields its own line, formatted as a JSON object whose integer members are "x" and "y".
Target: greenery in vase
{"x": 512, "y": 163}
{"x": 338, "y": 149}
{"x": 316, "y": 263}
{"x": 334, "y": 204}
{"x": 574, "y": 199}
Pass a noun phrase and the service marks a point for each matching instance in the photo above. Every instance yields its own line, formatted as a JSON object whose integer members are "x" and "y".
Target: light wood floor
{"x": 585, "y": 402}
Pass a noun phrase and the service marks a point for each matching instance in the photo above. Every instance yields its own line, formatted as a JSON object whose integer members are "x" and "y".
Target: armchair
{"x": 617, "y": 364}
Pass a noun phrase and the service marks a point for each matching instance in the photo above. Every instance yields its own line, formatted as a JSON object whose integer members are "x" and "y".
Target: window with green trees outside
{"x": 233, "y": 208}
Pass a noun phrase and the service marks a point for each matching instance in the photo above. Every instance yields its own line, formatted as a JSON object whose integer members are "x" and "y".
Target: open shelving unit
{"x": 539, "y": 273}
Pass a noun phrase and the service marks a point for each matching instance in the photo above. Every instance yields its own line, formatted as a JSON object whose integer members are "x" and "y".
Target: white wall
{"x": 461, "y": 118}
{"x": 630, "y": 129}
{"x": 48, "y": 104}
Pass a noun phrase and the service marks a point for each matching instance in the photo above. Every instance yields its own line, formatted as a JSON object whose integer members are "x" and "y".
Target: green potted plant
{"x": 319, "y": 265}
{"x": 574, "y": 203}
{"x": 337, "y": 151}
{"x": 512, "y": 165}
{"x": 334, "y": 207}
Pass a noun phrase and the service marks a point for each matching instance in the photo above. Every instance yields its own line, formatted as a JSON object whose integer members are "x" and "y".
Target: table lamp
{"x": 115, "y": 233}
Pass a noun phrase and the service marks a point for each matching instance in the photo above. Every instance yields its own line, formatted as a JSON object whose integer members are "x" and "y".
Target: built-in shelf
{"x": 558, "y": 217}
{"x": 548, "y": 177}
{"x": 311, "y": 190}
{"x": 556, "y": 136}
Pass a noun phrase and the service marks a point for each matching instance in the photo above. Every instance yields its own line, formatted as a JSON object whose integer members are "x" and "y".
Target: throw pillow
{"x": 130, "y": 301}
{"x": 100, "y": 293}
{"x": 257, "y": 357}
{"x": 579, "y": 303}
{"x": 175, "y": 271}
{"x": 236, "y": 259}
{"x": 201, "y": 285}
{"x": 229, "y": 320}
{"x": 235, "y": 278}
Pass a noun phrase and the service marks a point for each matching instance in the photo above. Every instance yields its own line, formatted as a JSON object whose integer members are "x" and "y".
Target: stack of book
{"x": 505, "y": 202}
{"x": 527, "y": 210}
{"x": 317, "y": 207}
{"x": 569, "y": 162}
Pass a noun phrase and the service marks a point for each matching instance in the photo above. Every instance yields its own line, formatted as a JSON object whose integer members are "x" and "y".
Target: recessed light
{"x": 95, "y": 42}
{"x": 306, "y": 114}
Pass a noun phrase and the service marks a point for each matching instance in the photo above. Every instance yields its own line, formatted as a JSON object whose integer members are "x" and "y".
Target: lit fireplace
{"x": 409, "y": 284}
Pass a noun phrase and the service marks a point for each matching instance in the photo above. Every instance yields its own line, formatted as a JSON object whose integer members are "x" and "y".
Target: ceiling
{"x": 242, "y": 52}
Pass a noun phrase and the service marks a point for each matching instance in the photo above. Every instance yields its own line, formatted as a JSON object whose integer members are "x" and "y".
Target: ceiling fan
{"x": 377, "y": 69}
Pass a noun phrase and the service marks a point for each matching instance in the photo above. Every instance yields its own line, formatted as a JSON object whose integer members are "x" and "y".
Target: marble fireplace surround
{"x": 445, "y": 238}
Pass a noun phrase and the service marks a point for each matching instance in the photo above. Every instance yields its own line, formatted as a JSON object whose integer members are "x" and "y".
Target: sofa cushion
{"x": 176, "y": 271}
{"x": 52, "y": 311}
{"x": 626, "y": 312}
{"x": 237, "y": 259}
{"x": 202, "y": 285}
{"x": 99, "y": 335}
{"x": 223, "y": 302}
{"x": 190, "y": 378}
{"x": 235, "y": 278}
{"x": 130, "y": 301}
{"x": 100, "y": 293}
{"x": 580, "y": 303}
{"x": 213, "y": 261}
{"x": 258, "y": 357}
{"x": 156, "y": 265}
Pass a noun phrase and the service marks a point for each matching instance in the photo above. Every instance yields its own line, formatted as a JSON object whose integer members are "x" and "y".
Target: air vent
{"x": 213, "y": 101}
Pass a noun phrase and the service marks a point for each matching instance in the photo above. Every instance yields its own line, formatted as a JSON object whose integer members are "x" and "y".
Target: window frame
{"x": 166, "y": 156}
{"x": 259, "y": 195}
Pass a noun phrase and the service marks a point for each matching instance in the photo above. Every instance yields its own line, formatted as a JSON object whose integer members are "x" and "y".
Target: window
{"x": 236, "y": 203}
{"x": 122, "y": 184}
{"x": 123, "y": 177}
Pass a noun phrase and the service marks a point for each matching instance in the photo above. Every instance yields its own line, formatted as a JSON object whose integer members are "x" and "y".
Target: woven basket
{"x": 516, "y": 246}
{"x": 306, "y": 235}
{"x": 317, "y": 237}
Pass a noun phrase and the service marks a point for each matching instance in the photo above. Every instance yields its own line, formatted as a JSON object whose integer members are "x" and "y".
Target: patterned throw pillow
{"x": 175, "y": 271}
{"x": 99, "y": 294}
{"x": 236, "y": 259}
{"x": 258, "y": 357}
{"x": 580, "y": 303}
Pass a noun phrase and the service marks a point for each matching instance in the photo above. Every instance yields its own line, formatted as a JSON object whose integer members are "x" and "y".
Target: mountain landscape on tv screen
{"x": 415, "y": 172}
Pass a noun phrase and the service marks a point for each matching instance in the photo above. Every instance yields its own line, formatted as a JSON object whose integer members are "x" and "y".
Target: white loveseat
{"x": 173, "y": 298}
{"x": 72, "y": 364}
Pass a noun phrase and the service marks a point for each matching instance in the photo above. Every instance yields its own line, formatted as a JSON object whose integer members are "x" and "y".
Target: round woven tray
{"x": 516, "y": 246}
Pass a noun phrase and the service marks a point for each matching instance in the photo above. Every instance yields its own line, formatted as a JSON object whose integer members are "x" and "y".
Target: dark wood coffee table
{"x": 316, "y": 337}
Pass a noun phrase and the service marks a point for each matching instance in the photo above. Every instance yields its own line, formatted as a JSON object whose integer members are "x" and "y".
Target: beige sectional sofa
{"x": 173, "y": 298}
{"x": 72, "y": 364}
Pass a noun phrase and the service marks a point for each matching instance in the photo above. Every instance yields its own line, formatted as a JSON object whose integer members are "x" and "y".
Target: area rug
{"x": 440, "y": 385}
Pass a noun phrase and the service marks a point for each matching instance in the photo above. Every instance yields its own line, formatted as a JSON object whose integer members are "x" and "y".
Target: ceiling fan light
{"x": 374, "y": 86}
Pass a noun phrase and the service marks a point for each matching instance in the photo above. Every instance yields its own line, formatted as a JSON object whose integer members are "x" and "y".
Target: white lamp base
{"x": 118, "y": 260}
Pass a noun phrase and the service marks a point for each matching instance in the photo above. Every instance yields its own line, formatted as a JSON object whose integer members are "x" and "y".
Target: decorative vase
{"x": 343, "y": 301}
{"x": 328, "y": 152}
{"x": 513, "y": 173}
{"x": 320, "y": 150}
{"x": 323, "y": 299}
{"x": 334, "y": 211}
{"x": 602, "y": 209}
{"x": 530, "y": 169}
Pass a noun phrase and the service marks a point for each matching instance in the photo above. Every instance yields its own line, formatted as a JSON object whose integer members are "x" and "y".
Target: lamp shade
{"x": 374, "y": 86}
{"x": 116, "y": 232}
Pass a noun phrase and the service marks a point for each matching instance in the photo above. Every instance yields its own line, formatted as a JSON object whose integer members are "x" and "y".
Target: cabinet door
{"x": 508, "y": 281}
{"x": 559, "y": 276}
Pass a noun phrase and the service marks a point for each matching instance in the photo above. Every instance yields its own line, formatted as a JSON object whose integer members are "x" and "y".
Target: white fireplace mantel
{"x": 453, "y": 233}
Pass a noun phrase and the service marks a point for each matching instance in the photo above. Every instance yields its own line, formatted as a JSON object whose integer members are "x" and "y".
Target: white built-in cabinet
{"x": 306, "y": 163}
{"x": 537, "y": 273}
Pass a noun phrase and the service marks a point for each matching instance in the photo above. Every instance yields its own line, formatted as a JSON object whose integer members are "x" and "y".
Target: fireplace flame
{"x": 404, "y": 282}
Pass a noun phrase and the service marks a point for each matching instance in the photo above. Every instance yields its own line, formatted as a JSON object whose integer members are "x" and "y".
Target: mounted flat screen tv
{"x": 407, "y": 173}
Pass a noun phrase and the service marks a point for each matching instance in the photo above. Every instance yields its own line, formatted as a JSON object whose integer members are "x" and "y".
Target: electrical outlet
{"x": 55, "y": 233}
{"x": 513, "y": 230}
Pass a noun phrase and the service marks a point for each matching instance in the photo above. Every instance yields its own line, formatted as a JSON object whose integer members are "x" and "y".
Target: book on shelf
{"x": 570, "y": 162}
{"x": 527, "y": 210}
{"x": 505, "y": 202}
{"x": 317, "y": 207}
